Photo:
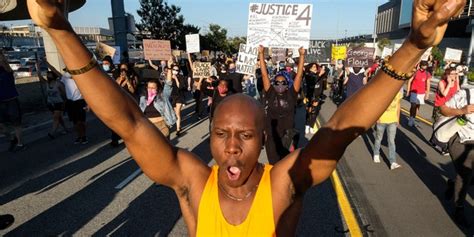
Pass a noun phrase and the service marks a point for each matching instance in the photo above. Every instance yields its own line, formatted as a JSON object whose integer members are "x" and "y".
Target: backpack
{"x": 444, "y": 129}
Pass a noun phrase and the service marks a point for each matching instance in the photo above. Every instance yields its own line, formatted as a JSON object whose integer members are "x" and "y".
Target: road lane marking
{"x": 128, "y": 179}
{"x": 344, "y": 204}
{"x": 426, "y": 121}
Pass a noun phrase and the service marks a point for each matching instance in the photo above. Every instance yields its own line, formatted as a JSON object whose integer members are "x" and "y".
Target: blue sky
{"x": 331, "y": 18}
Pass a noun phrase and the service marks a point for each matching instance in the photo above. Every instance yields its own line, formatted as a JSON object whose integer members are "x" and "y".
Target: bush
{"x": 439, "y": 72}
{"x": 470, "y": 76}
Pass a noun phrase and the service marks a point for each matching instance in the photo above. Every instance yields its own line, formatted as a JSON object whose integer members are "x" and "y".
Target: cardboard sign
{"x": 105, "y": 50}
{"x": 247, "y": 60}
{"x": 319, "y": 52}
{"x": 193, "y": 43}
{"x": 453, "y": 55}
{"x": 426, "y": 55}
{"x": 279, "y": 25}
{"x": 202, "y": 69}
{"x": 293, "y": 53}
{"x": 157, "y": 49}
{"x": 387, "y": 52}
{"x": 360, "y": 57}
{"x": 278, "y": 55}
{"x": 176, "y": 53}
{"x": 339, "y": 52}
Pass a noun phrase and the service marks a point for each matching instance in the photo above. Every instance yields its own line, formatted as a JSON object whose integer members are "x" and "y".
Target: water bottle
{"x": 462, "y": 120}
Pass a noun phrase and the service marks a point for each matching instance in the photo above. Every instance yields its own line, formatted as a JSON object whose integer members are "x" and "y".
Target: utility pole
{"x": 120, "y": 25}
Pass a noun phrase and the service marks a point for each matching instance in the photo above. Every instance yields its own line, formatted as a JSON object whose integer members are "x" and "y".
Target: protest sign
{"x": 319, "y": 51}
{"x": 396, "y": 47}
{"x": 387, "y": 52}
{"x": 427, "y": 54}
{"x": 278, "y": 55}
{"x": 247, "y": 60}
{"x": 176, "y": 53}
{"x": 279, "y": 25}
{"x": 201, "y": 69}
{"x": 339, "y": 52}
{"x": 105, "y": 50}
{"x": 453, "y": 55}
{"x": 360, "y": 57}
{"x": 157, "y": 49}
{"x": 193, "y": 43}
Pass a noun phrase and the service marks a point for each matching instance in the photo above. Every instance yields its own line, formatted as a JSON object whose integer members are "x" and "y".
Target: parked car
{"x": 14, "y": 64}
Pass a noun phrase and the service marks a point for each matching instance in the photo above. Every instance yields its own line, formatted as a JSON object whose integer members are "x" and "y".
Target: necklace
{"x": 234, "y": 197}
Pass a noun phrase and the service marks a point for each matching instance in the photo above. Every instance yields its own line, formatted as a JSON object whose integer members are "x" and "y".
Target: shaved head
{"x": 244, "y": 105}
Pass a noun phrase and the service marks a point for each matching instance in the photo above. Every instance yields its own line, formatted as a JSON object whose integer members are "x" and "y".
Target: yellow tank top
{"x": 259, "y": 221}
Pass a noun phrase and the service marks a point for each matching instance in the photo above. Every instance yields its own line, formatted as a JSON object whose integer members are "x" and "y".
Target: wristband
{"x": 92, "y": 64}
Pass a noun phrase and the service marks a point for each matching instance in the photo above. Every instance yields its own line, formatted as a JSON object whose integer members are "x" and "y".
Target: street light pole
{"x": 120, "y": 24}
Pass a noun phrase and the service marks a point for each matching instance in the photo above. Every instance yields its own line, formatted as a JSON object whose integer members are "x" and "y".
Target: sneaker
{"x": 6, "y": 221}
{"x": 78, "y": 140}
{"x": 306, "y": 131}
{"x": 312, "y": 130}
{"x": 377, "y": 158}
{"x": 84, "y": 141}
{"x": 395, "y": 165}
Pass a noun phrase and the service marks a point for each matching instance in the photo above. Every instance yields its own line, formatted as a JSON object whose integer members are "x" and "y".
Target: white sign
{"x": 247, "y": 60}
{"x": 387, "y": 52}
{"x": 396, "y": 47}
{"x": 426, "y": 55}
{"x": 279, "y": 25}
{"x": 192, "y": 43}
{"x": 453, "y": 55}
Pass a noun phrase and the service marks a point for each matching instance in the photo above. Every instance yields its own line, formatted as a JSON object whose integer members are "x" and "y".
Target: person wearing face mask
{"x": 109, "y": 67}
{"x": 177, "y": 95}
{"x": 10, "y": 112}
{"x": 127, "y": 79}
{"x": 314, "y": 82}
{"x": 56, "y": 97}
{"x": 220, "y": 93}
{"x": 235, "y": 79}
{"x": 281, "y": 94}
{"x": 418, "y": 90}
{"x": 156, "y": 106}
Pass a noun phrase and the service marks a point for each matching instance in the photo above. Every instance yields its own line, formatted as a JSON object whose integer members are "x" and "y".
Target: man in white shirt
{"x": 76, "y": 108}
{"x": 461, "y": 149}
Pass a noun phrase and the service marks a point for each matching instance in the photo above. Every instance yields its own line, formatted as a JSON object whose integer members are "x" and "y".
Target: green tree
{"x": 216, "y": 39}
{"x": 384, "y": 42}
{"x": 234, "y": 44}
{"x": 162, "y": 21}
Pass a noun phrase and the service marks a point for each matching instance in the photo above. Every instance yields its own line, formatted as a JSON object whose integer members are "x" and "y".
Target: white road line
{"x": 128, "y": 179}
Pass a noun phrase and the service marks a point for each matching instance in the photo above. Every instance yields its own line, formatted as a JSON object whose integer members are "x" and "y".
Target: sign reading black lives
{"x": 360, "y": 57}
{"x": 202, "y": 69}
{"x": 319, "y": 52}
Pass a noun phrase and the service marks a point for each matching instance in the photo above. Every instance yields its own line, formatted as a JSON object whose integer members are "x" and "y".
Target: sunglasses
{"x": 280, "y": 83}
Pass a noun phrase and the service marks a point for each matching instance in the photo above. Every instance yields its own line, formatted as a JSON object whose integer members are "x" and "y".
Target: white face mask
{"x": 175, "y": 73}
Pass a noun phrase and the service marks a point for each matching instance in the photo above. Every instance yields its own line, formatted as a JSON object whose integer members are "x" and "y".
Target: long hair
{"x": 446, "y": 73}
{"x": 159, "y": 88}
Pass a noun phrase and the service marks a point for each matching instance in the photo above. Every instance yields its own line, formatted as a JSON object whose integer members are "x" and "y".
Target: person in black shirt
{"x": 234, "y": 79}
{"x": 177, "y": 95}
{"x": 314, "y": 81}
{"x": 281, "y": 94}
{"x": 220, "y": 93}
{"x": 207, "y": 90}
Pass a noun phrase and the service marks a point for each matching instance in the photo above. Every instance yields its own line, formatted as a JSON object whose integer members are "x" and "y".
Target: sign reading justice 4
{"x": 279, "y": 25}
{"x": 360, "y": 57}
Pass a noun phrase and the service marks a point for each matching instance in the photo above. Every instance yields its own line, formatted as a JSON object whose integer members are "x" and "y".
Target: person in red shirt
{"x": 418, "y": 90}
{"x": 447, "y": 87}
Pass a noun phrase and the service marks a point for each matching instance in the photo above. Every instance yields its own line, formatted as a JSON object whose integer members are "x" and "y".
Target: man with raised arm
{"x": 239, "y": 196}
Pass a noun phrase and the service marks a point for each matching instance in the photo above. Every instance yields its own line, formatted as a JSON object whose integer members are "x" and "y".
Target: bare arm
{"x": 152, "y": 65}
{"x": 444, "y": 89}
{"x": 450, "y": 112}
{"x": 263, "y": 67}
{"x": 299, "y": 74}
{"x": 112, "y": 105}
{"x": 318, "y": 159}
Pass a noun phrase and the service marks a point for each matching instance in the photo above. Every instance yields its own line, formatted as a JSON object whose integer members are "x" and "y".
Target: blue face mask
{"x": 106, "y": 67}
{"x": 231, "y": 70}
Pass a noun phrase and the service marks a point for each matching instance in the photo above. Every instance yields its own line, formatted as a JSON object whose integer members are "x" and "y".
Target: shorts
{"x": 10, "y": 112}
{"x": 177, "y": 100}
{"x": 418, "y": 99}
{"x": 76, "y": 111}
{"x": 56, "y": 107}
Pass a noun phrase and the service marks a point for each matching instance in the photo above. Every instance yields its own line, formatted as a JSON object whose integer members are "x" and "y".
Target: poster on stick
{"x": 319, "y": 52}
{"x": 157, "y": 49}
{"x": 279, "y": 25}
{"x": 193, "y": 43}
{"x": 278, "y": 55}
{"x": 105, "y": 50}
{"x": 360, "y": 57}
{"x": 453, "y": 55}
{"x": 201, "y": 69}
{"x": 387, "y": 52}
{"x": 339, "y": 52}
{"x": 247, "y": 60}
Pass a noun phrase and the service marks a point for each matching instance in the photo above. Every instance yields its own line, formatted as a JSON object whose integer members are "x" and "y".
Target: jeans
{"x": 391, "y": 132}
